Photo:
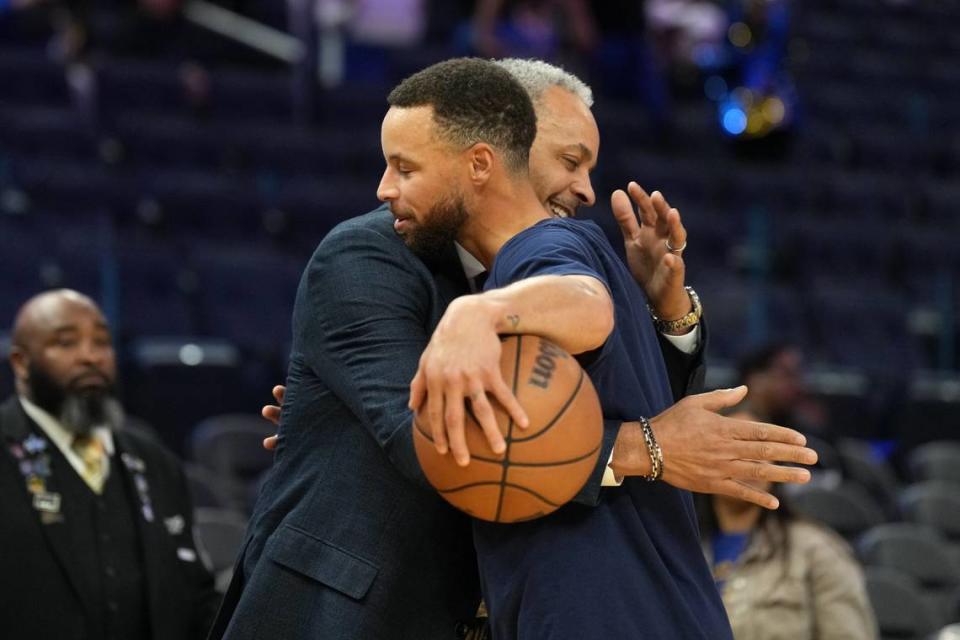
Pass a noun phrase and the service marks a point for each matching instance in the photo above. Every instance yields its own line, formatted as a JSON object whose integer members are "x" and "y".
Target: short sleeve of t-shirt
{"x": 550, "y": 247}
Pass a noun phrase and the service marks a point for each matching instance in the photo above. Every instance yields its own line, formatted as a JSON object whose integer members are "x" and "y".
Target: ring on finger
{"x": 677, "y": 250}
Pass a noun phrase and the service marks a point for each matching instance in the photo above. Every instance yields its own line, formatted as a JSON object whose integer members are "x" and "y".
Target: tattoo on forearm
{"x": 514, "y": 321}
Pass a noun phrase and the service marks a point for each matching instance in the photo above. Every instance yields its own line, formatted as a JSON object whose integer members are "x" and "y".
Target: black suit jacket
{"x": 347, "y": 540}
{"x": 39, "y": 593}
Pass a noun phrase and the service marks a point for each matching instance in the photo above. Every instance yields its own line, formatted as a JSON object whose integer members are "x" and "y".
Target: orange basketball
{"x": 544, "y": 465}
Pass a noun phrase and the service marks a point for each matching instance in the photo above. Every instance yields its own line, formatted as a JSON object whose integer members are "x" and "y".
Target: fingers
{"x": 509, "y": 402}
{"x": 748, "y": 470}
{"x": 418, "y": 391}
{"x": 271, "y": 413}
{"x": 435, "y": 418}
{"x": 453, "y": 417}
{"x": 270, "y": 443}
{"x": 673, "y": 227}
{"x": 278, "y": 393}
{"x": 646, "y": 207}
{"x": 745, "y": 492}
{"x": 762, "y": 432}
{"x": 774, "y": 452}
{"x": 625, "y": 215}
{"x": 720, "y": 399}
{"x": 487, "y": 420}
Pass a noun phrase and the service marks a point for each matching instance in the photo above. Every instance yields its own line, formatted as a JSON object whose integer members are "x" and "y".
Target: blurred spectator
{"x": 361, "y": 34}
{"x": 97, "y": 527}
{"x": 529, "y": 28}
{"x": 781, "y": 576}
{"x": 774, "y": 374}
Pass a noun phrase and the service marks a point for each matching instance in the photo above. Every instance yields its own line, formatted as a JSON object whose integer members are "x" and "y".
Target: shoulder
{"x": 819, "y": 543}
{"x": 553, "y": 237}
{"x": 375, "y": 227}
{"x": 563, "y": 229}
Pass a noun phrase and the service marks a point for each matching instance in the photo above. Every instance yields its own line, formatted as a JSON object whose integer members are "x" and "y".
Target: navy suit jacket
{"x": 347, "y": 540}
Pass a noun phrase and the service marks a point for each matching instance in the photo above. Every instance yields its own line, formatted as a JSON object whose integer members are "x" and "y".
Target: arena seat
{"x": 901, "y": 611}
{"x": 938, "y": 460}
{"x": 220, "y": 534}
{"x": 861, "y": 466}
{"x": 846, "y": 509}
{"x": 936, "y": 504}
{"x": 920, "y": 552}
{"x": 230, "y": 446}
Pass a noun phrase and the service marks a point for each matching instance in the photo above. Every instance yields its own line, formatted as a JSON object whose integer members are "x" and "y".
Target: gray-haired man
{"x": 347, "y": 540}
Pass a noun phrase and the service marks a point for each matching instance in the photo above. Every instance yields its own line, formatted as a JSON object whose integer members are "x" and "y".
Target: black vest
{"x": 107, "y": 545}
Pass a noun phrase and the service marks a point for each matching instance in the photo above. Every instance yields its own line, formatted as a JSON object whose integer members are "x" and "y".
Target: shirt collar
{"x": 58, "y": 434}
{"x": 471, "y": 266}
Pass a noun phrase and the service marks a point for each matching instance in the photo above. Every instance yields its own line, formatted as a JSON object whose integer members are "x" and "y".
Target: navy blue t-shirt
{"x": 632, "y": 566}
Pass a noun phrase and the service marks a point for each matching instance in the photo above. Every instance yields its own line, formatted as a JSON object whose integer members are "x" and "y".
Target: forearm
{"x": 575, "y": 312}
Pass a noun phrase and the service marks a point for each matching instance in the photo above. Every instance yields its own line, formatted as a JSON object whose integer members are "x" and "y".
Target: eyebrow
{"x": 582, "y": 148}
{"x": 398, "y": 157}
{"x": 72, "y": 328}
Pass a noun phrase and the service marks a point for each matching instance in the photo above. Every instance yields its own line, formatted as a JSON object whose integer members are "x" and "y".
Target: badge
{"x": 187, "y": 555}
{"x": 133, "y": 463}
{"x": 137, "y": 467}
{"x": 17, "y": 451}
{"x": 174, "y": 524}
{"x": 50, "y": 518}
{"x": 34, "y": 444}
{"x": 36, "y": 484}
{"x": 47, "y": 502}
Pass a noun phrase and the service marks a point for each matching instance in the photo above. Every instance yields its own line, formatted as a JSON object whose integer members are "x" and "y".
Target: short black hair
{"x": 474, "y": 101}
{"x": 762, "y": 358}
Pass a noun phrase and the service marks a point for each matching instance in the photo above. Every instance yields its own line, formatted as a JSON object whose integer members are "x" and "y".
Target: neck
{"x": 735, "y": 516}
{"x": 503, "y": 213}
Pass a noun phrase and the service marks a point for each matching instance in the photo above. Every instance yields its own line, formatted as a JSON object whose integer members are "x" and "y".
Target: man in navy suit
{"x": 347, "y": 540}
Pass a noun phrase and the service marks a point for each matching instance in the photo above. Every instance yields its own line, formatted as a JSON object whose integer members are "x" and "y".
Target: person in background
{"x": 96, "y": 524}
{"x": 780, "y": 576}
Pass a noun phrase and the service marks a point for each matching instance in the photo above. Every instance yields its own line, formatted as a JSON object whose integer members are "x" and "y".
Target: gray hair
{"x": 536, "y": 76}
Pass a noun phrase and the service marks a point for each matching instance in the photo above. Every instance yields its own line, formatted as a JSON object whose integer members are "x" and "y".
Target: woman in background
{"x": 783, "y": 577}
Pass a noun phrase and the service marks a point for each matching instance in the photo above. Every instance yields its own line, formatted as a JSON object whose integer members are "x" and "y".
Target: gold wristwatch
{"x": 692, "y": 319}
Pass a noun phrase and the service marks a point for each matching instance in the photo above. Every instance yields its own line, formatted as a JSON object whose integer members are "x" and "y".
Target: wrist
{"x": 683, "y": 324}
{"x": 677, "y": 308}
{"x": 630, "y": 456}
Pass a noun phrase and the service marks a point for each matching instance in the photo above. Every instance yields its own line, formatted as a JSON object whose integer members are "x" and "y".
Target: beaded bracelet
{"x": 656, "y": 454}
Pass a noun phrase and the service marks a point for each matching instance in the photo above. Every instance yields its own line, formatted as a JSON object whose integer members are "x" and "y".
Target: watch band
{"x": 687, "y": 321}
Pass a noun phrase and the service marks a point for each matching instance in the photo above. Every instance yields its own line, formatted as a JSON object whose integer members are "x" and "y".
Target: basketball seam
{"x": 558, "y": 463}
{"x": 509, "y": 438}
{"x": 559, "y": 415}
{"x": 487, "y": 483}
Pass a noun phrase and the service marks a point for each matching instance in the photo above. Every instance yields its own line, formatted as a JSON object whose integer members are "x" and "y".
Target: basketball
{"x": 544, "y": 465}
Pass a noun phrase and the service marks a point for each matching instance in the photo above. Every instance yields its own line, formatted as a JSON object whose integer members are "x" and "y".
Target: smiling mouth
{"x": 558, "y": 210}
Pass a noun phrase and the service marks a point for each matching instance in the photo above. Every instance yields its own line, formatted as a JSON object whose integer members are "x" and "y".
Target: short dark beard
{"x": 78, "y": 410}
{"x": 439, "y": 228}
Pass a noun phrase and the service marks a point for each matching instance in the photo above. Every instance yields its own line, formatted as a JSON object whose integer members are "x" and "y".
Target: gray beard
{"x": 80, "y": 414}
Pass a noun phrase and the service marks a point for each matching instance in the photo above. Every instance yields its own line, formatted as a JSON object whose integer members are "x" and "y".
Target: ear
{"x": 482, "y": 162}
{"x": 20, "y": 362}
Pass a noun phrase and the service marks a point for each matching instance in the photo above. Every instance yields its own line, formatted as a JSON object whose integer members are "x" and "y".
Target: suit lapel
{"x": 17, "y": 429}
{"x": 137, "y": 476}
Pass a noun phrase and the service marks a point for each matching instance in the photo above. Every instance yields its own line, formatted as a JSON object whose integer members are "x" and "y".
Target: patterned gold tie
{"x": 91, "y": 452}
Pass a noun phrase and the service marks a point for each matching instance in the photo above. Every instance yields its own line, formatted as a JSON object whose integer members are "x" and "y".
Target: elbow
{"x": 598, "y": 321}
